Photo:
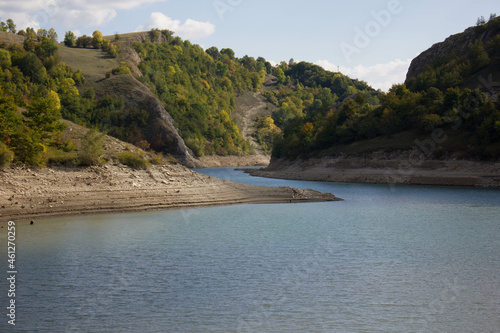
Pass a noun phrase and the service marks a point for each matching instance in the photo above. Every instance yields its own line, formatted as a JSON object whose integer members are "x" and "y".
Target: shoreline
{"x": 385, "y": 171}
{"x": 43, "y": 193}
{"x": 233, "y": 161}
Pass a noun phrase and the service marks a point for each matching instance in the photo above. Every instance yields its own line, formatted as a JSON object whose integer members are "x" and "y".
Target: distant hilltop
{"x": 470, "y": 59}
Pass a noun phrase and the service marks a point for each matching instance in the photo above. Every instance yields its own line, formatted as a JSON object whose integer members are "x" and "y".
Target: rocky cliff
{"x": 160, "y": 132}
{"x": 458, "y": 46}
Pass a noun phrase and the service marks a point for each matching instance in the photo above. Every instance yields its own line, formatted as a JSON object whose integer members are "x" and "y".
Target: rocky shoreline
{"x": 39, "y": 193}
{"x": 393, "y": 170}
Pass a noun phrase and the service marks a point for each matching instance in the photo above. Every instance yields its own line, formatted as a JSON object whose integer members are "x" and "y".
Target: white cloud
{"x": 70, "y": 13}
{"x": 273, "y": 63}
{"x": 380, "y": 76}
{"x": 20, "y": 19}
{"x": 190, "y": 29}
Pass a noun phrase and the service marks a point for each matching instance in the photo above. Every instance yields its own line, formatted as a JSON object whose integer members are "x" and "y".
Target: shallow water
{"x": 387, "y": 259}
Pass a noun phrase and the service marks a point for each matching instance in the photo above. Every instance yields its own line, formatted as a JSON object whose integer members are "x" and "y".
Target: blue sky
{"x": 370, "y": 40}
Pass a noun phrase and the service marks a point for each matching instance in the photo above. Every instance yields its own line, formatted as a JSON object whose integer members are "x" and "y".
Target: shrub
{"x": 91, "y": 148}
{"x": 68, "y": 146}
{"x": 133, "y": 160}
{"x": 122, "y": 69}
{"x": 6, "y": 155}
{"x": 62, "y": 157}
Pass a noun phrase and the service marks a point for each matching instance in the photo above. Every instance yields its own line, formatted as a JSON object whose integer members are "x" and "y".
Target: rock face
{"x": 459, "y": 44}
{"x": 160, "y": 132}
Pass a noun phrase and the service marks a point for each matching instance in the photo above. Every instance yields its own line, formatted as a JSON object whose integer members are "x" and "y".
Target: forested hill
{"x": 450, "y": 97}
{"x": 198, "y": 88}
{"x": 131, "y": 86}
{"x": 470, "y": 59}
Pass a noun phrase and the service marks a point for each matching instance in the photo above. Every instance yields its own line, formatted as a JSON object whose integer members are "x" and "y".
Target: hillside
{"x": 441, "y": 127}
{"x": 159, "y": 129}
{"x": 470, "y": 59}
{"x": 29, "y": 193}
{"x": 160, "y": 92}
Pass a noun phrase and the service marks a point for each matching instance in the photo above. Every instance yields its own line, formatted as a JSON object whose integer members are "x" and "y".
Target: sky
{"x": 371, "y": 40}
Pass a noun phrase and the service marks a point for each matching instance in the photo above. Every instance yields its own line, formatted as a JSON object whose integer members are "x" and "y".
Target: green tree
{"x": 52, "y": 35}
{"x": 5, "y": 59}
{"x": 280, "y": 75}
{"x": 69, "y": 39}
{"x": 213, "y": 52}
{"x": 11, "y": 27}
{"x": 122, "y": 69}
{"x": 228, "y": 52}
{"x": 154, "y": 35}
{"x": 91, "y": 148}
{"x": 10, "y": 120}
{"x": 30, "y": 33}
{"x": 43, "y": 115}
{"x": 478, "y": 55}
{"x": 6, "y": 155}
{"x": 97, "y": 39}
{"x": 31, "y": 67}
{"x": 46, "y": 49}
{"x": 84, "y": 41}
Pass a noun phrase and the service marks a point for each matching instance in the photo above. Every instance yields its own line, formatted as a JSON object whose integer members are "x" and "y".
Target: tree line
{"x": 96, "y": 41}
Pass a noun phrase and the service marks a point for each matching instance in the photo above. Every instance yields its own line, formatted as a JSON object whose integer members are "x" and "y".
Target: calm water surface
{"x": 387, "y": 259}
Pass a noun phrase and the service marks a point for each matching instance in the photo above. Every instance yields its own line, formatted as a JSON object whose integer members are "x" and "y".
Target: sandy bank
{"x": 28, "y": 193}
{"x": 233, "y": 161}
{"x": 396, "y": 170}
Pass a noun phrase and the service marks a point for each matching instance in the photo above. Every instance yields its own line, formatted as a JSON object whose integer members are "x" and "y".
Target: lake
{"x": 387, "y": 259}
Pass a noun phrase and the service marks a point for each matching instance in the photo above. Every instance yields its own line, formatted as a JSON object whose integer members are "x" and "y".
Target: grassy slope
{"x": 91, "y": 62}
{"x": 10, "y": 38}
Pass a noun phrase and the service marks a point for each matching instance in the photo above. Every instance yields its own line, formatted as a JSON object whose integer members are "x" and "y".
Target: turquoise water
{"x": 387, "y": 259}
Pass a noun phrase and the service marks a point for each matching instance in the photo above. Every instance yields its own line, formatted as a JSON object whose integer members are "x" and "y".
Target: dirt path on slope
{"x": 250, "y": 106}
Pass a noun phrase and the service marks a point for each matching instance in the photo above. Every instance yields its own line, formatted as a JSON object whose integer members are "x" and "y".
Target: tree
{"x": 69, "y": 39}
{"x": 167, "y": 34}
{"x": 96, "y": 39}
{"x": 91, "y": 148}
{"x": 30, "y": 33}
{"x": 43, "y": 115}
{"x": 41, "y": 33}
{"x": 478, "y": 55}
{"x": 3, "y": 26}
{"x": 10, "y": 120}
{"x": 31, "y": 66}
{"x": 46, "y": 49}
{"x": 52, "y": 34}
{"x": 5, "y": 59}
{"x": 83, "y": 41}
{"x": 228, "y": 52}
{"x": 280, "y": 75}
{"x": 113, "y": 51}
{"x": 480, "y": 21}
{"x": 122, "y": 69}
{"x": 11, "y": 27}
{"x": 154, "y": 35}
{"x": 213, "y": 52}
